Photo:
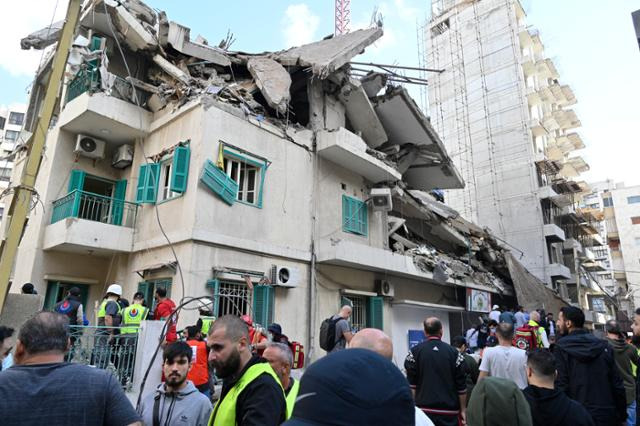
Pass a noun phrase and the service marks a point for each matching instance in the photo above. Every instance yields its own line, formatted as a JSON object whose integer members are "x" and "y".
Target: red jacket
{"x": 163, "y": 311}
{"x": 199, "y": 373}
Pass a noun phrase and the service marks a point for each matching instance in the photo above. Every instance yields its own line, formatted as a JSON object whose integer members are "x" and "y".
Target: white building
{"x": 11, "y": 123}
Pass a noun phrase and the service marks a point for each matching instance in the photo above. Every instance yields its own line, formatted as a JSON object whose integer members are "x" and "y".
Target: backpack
{"x": 328, "y": 333}
{"x": 298, "y": 354}
{"x": 526, "y": 337}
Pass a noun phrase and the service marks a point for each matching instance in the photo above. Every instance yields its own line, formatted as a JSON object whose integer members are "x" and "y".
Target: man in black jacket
{"x": 251, "y": 391}
{"x": 549, "y": 406}
{"x": 587, "y": 371}
{"x": 436, "y": 372}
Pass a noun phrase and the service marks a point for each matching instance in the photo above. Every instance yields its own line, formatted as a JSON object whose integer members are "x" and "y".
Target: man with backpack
{"x": 335, "y": 332}
{"x": 541, "y": 334}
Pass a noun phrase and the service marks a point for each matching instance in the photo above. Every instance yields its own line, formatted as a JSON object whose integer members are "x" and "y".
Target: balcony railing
{"x": 94, "y": 207}
{"x": 92, "y": 345}
{"x": 87, "y": 79}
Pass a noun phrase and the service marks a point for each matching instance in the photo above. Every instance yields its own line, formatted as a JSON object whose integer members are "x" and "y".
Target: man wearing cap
{"x": 625, "y": 356}
{"x": 495, "y": 313}
{"x": 109, "y": 315}
{"x": 436, "y": 372}
{"x": 28, "y": 288}
{"x": 276, "y": 337}
{"x": 206, "y": 316}
{"x": 353, "y": 387}
{"x": 251, "y": 391}
{"x": 281, "y": 360}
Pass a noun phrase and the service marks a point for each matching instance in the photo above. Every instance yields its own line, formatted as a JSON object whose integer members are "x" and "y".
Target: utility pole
{"x": 21, "y": 202}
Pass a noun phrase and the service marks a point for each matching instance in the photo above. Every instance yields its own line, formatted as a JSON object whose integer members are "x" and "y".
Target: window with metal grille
{"x": 233, "y": 299}
{"x": 366, "y": 311}
{"x": 358, "y": 312}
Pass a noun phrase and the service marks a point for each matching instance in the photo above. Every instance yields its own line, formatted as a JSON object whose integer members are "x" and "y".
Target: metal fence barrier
{"x": 92, "y": 345}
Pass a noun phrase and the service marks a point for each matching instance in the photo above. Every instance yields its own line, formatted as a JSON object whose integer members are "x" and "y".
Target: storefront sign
{"x": 478, "y": 300}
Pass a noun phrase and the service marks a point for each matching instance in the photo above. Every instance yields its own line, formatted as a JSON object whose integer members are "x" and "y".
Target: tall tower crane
{"x": 343, "y": 13}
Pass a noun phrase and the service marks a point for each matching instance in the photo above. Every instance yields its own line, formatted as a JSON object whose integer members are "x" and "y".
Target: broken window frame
{"x": 166, "y": 180}
{"x": 245, "y": 165}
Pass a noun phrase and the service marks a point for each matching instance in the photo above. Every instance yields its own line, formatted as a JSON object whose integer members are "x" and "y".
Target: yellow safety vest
{"x": 133, "y": 315}
{"x": 539, "y": 330}
{"x": 224, "y": 413}
{"x": 291, "y": 397}
{"x": 206, "y": 324}
{"x": 102, "y": 312}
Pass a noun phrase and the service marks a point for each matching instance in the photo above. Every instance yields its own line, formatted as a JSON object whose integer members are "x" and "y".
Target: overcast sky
{"x": 592, "y": 43}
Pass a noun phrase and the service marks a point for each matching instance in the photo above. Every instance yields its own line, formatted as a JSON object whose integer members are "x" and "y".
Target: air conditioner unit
{"x": 89, "y": 147}
{"x": 385, "y": 288}
{"x": 284, "y": 276}
{"x": 381, "y": 199}
{"x": 123, "y": 157}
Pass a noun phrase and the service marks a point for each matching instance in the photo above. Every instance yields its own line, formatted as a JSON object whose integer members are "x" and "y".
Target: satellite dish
{"x": 88, "y": 144}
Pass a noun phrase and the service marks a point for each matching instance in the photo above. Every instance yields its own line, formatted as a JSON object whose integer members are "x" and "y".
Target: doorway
{"x": 57, "y": 291}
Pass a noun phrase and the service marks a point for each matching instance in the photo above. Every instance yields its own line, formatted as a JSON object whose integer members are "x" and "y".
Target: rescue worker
{"x": 132, "y": 316}
{"x": 541, "y": 334}
{"x": 251, "y": 391}
{"x": 206, "y": 316}
{"x": 281, "y": 359}
{"x": 109, "y": 317}
{"x": 71, "y": 306}
{"x": 199, "y": 372}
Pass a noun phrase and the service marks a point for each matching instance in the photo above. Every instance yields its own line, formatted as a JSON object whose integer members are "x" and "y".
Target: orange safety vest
{"x": 199, "y": 373}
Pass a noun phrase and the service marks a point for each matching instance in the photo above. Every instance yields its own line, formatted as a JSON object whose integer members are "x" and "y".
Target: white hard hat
{"x": 115, "y": 289}
{"x": 205, "y": 303}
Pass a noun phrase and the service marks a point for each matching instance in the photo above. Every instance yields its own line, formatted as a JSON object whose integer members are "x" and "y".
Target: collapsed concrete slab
{"x": 361, "y": 114}
{"x": 42, "y": 38}
{"x": 179, "y": 38}
{"x": 373, "y": 83}
{"x": 326, "y": 56}
{"x": 273, "y": 80}
{"x": 171, "y": 69}
{"x": 405, "y": 123}
{"x": 132, "y": 31}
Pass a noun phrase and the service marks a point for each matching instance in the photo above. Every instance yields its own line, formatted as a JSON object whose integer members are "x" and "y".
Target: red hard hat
{"x": 247, "y": 320}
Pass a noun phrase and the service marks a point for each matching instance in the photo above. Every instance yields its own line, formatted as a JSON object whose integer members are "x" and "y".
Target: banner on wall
{"x": 415, "y": 337}
{"x": 478, "y": 300}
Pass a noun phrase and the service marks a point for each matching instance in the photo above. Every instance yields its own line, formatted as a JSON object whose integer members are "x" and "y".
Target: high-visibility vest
{"x": 102, "y": 312}
{"x": 133, "y": 315}
{"x": 199, "y": 372}
{"x": 291, "y": 397}
{"x": 224, "y": 412}
{"x": 206, "y": 325}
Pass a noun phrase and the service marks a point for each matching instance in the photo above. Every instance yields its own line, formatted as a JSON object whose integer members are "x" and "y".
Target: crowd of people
{"x": 513, "y": 368}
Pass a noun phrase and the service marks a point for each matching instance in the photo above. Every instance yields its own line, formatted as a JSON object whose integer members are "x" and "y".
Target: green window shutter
{"x": 355, "y": 216}
{"x": 52, "y": 293}
{"x": 214, "y": 285}
{"x": 145, "y": 288}
{"x": 263, "y": 172}
{"x": 218, "y": 182}
{"x": 76, "y": 183}
{"x": 119, "y": 193}
{"x": 76, "y": 180}
{"x": 152, "y": 181}
{"x": 180, "y": 169}
{"x": 263, "y": 299}
{"x": 375, "y": 307}
{"x": 142, "y": 176}
{"x": 166, "y": 284}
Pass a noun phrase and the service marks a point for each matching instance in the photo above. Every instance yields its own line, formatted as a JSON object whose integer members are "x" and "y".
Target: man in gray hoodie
{"x": 177, "y": 401}
{"x": 625, "y": 355}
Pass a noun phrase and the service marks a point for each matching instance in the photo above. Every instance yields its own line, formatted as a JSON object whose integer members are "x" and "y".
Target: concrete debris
{"x": 273, "y": 80}
{"x": 405, "y": 123}
{"x": 179, "y": 38}
{"x": 137, "y": 35}
{"x": 171, "y": 69}
{"x": 42, "y": 38}
{"x": 361, "y": 114}
{"x": 326, "y": 56}
{"x": 374, "y": 82}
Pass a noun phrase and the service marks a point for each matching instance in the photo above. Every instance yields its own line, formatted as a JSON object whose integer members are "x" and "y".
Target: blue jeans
{"x": 631, "y": 414}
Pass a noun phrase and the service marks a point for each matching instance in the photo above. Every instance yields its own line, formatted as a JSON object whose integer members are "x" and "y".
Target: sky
{"x": 592, "y": 43}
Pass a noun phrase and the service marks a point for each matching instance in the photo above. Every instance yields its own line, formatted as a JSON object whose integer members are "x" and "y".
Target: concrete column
{"x": 148, "y": 339}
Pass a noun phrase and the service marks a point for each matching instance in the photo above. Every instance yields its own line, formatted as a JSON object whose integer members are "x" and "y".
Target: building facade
{"x": 506, "y": 119}
{"x": 11, "y": 123}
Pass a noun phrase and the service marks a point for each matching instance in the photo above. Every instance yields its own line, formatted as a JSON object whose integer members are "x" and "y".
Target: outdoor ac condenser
{"x": 381, "y": 199}
{"x": 123, "y": 157}
{"x": 284, "y": 276}
{"x": 385, "y": 288}
{"x": 89, "y": 147}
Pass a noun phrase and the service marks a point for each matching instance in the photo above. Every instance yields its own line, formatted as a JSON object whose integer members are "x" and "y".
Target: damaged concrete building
{"x": 276, "y": 183}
